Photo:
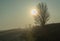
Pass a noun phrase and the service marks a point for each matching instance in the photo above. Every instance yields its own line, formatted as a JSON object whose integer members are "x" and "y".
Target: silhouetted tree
{"x": 42, "y": 16}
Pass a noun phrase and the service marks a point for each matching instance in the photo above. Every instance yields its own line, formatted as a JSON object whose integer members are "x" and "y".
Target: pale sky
{"x": 16, "y": 13}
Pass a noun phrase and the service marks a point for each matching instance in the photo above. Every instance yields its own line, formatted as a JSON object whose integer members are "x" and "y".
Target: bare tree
{"x": 42, "y": 16}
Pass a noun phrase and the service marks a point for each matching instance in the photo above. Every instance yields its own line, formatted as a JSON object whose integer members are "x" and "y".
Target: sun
{"x": 33, "y": 11}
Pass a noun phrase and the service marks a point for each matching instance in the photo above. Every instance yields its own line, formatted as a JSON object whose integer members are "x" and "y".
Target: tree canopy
{"x": 42, "y": 16}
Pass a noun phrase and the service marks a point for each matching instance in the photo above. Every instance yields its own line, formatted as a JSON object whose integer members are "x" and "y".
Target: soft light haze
{"x": 16, "y": 13}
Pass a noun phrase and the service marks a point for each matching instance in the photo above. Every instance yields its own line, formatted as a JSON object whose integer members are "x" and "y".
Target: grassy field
{"x": 50, "y": 32}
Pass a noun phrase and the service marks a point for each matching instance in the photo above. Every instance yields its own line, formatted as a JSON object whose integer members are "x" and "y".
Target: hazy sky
{"x": 16, "y": 13}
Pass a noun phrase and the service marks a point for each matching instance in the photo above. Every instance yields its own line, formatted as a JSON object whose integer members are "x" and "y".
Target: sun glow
{"x": 33, "y": 11}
